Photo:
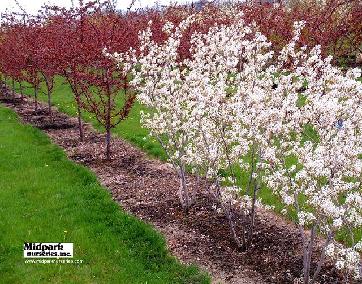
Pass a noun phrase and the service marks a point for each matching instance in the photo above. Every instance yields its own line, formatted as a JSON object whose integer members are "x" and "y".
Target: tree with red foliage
{"x": 94, "y": 79}
{"x": 336, "y": 25}
{"x": 104, "y": 89}
{"x": 71, "y": 53}
{"x": 49, "y": 47}
{"x": 13, "y": 57}
{"x": 32, "y": 54}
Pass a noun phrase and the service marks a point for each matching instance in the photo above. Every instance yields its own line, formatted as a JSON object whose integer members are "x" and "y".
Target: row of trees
{"x": 290, "y": 119}
{"x": 232, "y": 88}
{"x": 333, "y": 24}
{"x": 69, "y": 42}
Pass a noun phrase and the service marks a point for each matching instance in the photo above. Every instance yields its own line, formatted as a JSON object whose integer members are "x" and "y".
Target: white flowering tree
{"x": 203, "y": 113}
{"x": 161, "y": 87}
{"x": 323, "y": 184}
{"x": 291, "y": 120}
{"x": 239, "y": 108}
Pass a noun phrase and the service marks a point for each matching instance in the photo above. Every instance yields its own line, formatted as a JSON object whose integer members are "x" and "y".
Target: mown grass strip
{"x": 44, "y": 197}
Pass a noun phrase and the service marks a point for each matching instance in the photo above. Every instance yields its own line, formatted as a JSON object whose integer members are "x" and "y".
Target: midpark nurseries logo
{"x": 48, "y": 250}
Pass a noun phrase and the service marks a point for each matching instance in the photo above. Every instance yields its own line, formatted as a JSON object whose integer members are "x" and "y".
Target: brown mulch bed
{"x": 148, "y": 189}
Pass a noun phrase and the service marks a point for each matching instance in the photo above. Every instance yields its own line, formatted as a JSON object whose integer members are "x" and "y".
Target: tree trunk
{"x": 308, "y": 256}
{"x": 21, "y": 90}
{"x": 49, "y": 104}
{"x": 108, "y": 144}
{"x": 108, "y": 126}
{"x": 36, "y": 97}
{"x": 13, "y": 88}
{"x": 252, "y": 216}
{"x": 184, "y": 193}
{"x": 229, "y": 216}
{"x": 321, "y": 259}
{"x": 80, "y": 124}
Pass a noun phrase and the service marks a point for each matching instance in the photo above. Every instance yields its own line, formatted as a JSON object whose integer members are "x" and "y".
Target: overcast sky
{"x": 32, "y": 6}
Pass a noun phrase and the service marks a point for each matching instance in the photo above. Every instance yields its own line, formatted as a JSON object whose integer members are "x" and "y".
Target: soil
{"x": 148, "y": 189}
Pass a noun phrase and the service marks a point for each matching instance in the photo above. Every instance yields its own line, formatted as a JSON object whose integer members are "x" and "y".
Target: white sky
{"x": 32, "y": 6}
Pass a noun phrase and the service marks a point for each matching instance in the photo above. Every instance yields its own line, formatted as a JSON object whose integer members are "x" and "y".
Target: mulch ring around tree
{"x": 148, "y": 189}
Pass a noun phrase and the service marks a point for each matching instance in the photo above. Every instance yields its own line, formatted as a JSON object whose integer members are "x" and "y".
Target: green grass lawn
{"x": 44, "y": 197}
